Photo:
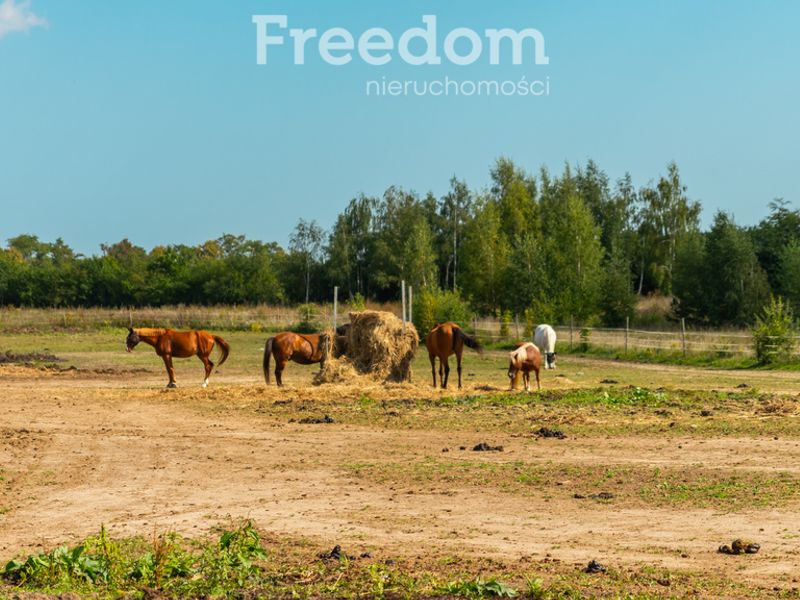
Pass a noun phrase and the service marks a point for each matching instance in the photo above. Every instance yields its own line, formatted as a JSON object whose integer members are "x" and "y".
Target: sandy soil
{"x": 78, "y": 450}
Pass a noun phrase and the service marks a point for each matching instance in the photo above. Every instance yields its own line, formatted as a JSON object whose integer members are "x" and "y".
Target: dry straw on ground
{"x": 378, "y": 346}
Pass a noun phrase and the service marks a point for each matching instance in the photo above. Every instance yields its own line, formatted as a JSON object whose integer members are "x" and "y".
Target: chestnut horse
{"x": 524, "y": 359}
{"x": 304, "y": 349}
{"x": 179, "y": 344}
{"x": 442, "y": 341}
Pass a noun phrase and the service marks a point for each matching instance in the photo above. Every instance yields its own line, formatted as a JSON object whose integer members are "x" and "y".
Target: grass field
{"x": 658, "y": 466}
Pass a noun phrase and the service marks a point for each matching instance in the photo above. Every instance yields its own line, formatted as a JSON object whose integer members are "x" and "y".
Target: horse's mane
{"x": 520, "y": 352}
{"x": 150, "y": 331}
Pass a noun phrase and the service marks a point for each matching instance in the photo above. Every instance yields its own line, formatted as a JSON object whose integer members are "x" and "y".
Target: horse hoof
{"x": 204, "y": 385}
{"x": 171, "y": 385}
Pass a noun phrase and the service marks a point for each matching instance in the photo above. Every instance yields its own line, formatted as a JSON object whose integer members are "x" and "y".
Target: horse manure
{"x": 602, "y": 496}
{"x": 706, "y": 413}
{"x": 742, "y": 386}
{"x": 335, "y": 554}
{"x": 462, "y": 447}
{"x": 594, "y": 567}
{"x": 484, "y": 447}
{"x": 609, "y": 381}
{"x": 445, "y": 449}
{"x": 316, "y": 420}
{"x": 740, "y": 546}
{"x": 662, "y": 412}
{"x": 546, "y": 432}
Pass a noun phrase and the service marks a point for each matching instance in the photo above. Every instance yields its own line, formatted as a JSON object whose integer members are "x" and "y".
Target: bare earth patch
{"x": 389, "y": 475}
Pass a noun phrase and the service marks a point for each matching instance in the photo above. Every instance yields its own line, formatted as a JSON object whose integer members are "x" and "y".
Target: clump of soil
{"x": 609, "y": 381}
{"x": 484, "y": 447}
{"x": 546, "y": 432}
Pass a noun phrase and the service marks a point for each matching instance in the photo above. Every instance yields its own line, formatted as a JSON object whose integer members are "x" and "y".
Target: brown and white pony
{"x": 524, "y": 359}
{"x": 442, "y": 341}
{"x": 179, "y": 344}
{"x": 304, "y": 349}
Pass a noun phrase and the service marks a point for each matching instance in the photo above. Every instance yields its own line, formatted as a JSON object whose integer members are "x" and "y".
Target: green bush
{"x": 774, "y": 332}
{"x": 432, "y": 305}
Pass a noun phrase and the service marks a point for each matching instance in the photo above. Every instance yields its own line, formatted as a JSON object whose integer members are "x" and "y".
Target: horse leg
{"x": 433, "y": 367}
{"x": 527, "y": 377}
{"x": 280, "y": 365}
{"x": 170, "y": 371}
{"x": 446, "y": 372}
{"x": 538, "y": 385}
{"x": 208, "y": 366}
{"x": 458, "y": 359}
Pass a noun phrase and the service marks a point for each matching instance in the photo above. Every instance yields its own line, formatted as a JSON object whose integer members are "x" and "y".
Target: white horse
{"x": 545, "y": 339}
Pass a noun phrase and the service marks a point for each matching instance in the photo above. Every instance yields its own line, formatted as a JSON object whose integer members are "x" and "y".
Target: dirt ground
{"x": 79, "y": 449}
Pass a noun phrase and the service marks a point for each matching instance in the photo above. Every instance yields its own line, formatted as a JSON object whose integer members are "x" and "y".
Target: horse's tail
{"x": 225, "y": 347}
{"x": 469, "y": 341}
{"x": 267, "y": 354}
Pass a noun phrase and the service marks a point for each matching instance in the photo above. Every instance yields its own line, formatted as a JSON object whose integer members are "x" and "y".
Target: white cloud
{"x": 17, "y": 16}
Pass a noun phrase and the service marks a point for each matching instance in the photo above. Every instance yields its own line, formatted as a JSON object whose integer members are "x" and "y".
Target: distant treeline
{"x": 546, "y": 246}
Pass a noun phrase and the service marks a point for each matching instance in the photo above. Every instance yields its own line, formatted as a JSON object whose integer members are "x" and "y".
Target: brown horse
{"x": 304, "y": 349}
{"x": 179, "y": 344}
{"x": 444, "y": 340}
{"x": 524, "y": 359}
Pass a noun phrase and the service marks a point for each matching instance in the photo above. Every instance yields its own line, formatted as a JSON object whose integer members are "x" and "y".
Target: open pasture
{"x": 659, "y": 466}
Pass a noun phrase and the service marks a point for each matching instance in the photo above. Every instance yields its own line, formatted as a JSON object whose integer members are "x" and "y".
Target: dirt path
{"x": 141, "y": 460}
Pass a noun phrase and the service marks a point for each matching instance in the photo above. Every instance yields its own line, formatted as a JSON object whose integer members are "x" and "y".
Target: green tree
{"x": 789, "y": 273}
{"x": 306, "y": 244}
{"x": 735, "y": 284}
{"x": 486, "y": 254}
{"x": 665, "y": 214}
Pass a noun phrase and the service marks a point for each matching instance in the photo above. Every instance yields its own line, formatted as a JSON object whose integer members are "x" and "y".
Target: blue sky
{"x": 151, "y": 120}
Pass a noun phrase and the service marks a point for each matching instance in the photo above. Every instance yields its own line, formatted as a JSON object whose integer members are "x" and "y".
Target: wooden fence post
{"x": 570, "y": 331}
{"x": 683, "y": 335}
{"x": 627, "y": 326}
{"x": 410, "y": 304}
{"x": 335, "y": 305}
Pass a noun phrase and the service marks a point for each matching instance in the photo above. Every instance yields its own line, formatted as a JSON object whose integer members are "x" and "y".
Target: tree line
{"x": 549, "y": 246}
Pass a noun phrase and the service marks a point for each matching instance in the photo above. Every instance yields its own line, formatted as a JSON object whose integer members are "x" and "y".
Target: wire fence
{"x": 274, "y": 318}
{"x": 731, "y": 342}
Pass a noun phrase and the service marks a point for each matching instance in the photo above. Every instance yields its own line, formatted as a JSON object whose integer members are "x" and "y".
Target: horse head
{"x": 131, "y": 340}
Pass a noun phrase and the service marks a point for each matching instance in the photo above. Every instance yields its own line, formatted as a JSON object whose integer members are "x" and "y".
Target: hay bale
{"x": 378, "y": 346}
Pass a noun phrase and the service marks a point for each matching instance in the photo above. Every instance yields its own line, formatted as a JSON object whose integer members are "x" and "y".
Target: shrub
{"x": 432, "y": 305}
{"x": 773, "y": 333}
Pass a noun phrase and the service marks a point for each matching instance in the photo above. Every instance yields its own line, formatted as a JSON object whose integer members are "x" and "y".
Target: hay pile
{"x": 377, "y": 347}
{"x": 335, "y": 370}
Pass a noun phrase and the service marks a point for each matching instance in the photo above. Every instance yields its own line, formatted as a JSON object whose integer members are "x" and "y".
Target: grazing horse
{"x": 545, "y": 339}
{"x": 304, "y": 349}
{"x": 524, "y": 359}
{"x": 179, "y": 344}
{"x": 442, "y": 341}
